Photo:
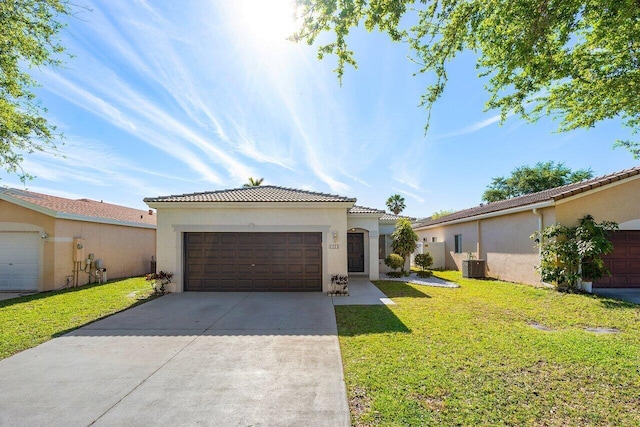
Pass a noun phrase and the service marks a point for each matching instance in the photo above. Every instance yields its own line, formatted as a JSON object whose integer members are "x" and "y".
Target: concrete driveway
{"x": 224, "y": 359}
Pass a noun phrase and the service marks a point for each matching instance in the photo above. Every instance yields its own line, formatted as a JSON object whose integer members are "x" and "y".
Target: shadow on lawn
{"x": 400, "y": 289}
{"x": 356, "y": 320}
{"x": 47, "y": 294}
{"x": 617, "y": 304}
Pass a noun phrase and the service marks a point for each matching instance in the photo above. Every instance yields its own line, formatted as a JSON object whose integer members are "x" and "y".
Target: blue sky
{"x": 177, "y": 97}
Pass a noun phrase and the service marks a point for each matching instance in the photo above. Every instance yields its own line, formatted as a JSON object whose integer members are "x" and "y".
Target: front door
{"x": 355, "y": 252}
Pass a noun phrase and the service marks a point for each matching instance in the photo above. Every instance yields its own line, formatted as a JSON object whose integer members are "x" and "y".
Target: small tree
{"x": 424, "y": 261}
{"x": 404, "y": 239}
{"x": 567, "y": 253}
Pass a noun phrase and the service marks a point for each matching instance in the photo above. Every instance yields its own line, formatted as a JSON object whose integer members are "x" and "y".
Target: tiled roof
{"x": 263, "y": 193}
{"x": 393, "y": 217}
{"x": 84, "y": 209}
{"x": 364, "y": 209}
{"x": 553, "y": 194}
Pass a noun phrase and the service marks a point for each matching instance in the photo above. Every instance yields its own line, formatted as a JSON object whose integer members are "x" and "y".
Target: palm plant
{"x": 254, "y": 182}
{"x": 395, "y": 203}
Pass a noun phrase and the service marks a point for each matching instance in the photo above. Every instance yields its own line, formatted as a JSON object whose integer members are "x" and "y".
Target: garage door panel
{"x": 254, "y": 262}
{"x": 295, "y": 239}
{"x": 624, "y": 262}
{"x": 261, "y": 254}
{"x": 228, "y": 253}
{"x": 313, "y": 239}
{"x": 279, "y": 268}
{"x": 278, "y": 254}
{"x": 277, "y": 238}
{"x": 19, "y": 261}
{"x": 294, "y": 254}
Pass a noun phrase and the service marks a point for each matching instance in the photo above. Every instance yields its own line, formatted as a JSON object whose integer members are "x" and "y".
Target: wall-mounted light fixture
{"x": 44, "y": 236}
{"x": 335, "y": 236}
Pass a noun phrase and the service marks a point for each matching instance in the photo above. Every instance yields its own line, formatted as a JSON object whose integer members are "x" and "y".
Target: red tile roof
{"x": 262, "y": 193}
{"x": 553, "y": 194}
{"x": 81, "y": 209}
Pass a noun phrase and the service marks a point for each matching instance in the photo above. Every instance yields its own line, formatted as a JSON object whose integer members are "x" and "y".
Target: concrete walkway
{"x": 624, "y": 294}
{"x": 362, "y": 292}
{"x": 223, "y": 359}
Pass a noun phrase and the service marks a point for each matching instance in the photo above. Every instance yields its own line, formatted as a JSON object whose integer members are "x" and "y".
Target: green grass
{"x": 28, "y": 321}
{"x": 468, "y": 356}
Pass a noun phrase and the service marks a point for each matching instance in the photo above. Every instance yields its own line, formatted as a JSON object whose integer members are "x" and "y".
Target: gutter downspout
{"x": 539, "y": 215}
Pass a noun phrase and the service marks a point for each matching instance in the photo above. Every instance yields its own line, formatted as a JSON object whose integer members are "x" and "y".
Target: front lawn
{"x": 31, "y": 320}
{"x": 469, "y": 356}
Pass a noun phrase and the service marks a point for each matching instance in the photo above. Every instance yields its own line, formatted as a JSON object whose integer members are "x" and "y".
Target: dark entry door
{"x": 263, "y": 262}
{"x": 624, "y": 262}
{"x": 355, "y": 252}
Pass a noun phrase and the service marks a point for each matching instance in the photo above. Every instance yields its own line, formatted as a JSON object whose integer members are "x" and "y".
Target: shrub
{"x": 424, "y": 261}
{"x": 394, "y": 261}
{"x": 425, "y": 273}
{"x": 395, "y": 274}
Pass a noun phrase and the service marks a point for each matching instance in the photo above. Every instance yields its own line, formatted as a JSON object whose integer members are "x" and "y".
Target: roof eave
{"x": 235, "y": 205}
{"x": 538, "y": 205}
{"x": 69, "y": 216}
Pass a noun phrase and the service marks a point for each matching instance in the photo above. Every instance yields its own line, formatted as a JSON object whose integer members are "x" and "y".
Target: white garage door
{"x": 19, "y": 261}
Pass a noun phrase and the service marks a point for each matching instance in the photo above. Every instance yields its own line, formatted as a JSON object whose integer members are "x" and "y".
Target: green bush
{"x": 424, "y": 261}
{"x": 425, "y": 273}
{"x": 395, "y": 274}
{"x": 394, "y": 261}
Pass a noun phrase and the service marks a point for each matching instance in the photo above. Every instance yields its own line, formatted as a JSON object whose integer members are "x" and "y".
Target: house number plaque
{"x": 334, "y": 246}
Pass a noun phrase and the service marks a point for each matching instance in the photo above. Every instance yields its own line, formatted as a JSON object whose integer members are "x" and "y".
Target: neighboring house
{"x": 267, "y": 238}
{"x": 46, "y": 240}
{"x": 500, "y": 232}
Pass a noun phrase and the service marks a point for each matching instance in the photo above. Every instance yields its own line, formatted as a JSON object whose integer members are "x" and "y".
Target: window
{"x": 458, "y": 243}
{"x": 382, "y": 246}
{"x": 434, "y": 239}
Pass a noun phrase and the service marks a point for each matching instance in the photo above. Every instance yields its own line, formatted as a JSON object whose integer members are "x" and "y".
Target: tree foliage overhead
{"x": 395, "y": 203}
{"x": 28, "y": 38}
{"x": 531, "y": 179}
{"x": 575, "y": 60}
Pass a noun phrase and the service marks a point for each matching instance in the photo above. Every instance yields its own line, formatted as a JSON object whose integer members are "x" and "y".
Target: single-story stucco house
{"x": 500, "y": 232}
{"x": 45, "y": 241}
{"x": 267, "y": 238}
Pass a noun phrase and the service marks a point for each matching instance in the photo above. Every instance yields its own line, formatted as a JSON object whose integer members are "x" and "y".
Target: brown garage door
{"x": 624, "y": 262}
{"x": 253, "y": 262}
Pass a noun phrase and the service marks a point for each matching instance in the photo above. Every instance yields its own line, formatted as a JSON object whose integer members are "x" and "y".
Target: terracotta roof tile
{"x": 81, "y": 207}
{"x": 552, "y": 194}
{"x": 263, "y": 193}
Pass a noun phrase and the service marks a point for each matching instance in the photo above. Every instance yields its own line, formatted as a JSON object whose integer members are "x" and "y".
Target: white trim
{"x": 248, "y": 228}
{"x": 597, "y": 189}
{"x": 634, "y": 224}
{"x": 69, "y": 216}
{"x": 518, "y": 209}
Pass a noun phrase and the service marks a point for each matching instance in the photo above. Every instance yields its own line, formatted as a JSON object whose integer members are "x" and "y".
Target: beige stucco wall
{"x": 619, "y": 203}
{"x": 506, "y": 245}
{"x": 446, "y": 234}
{"x": 126, "y": 251}
{"x": 174, "y": 221}
{"x": 503, "y": 242}
{"x": 436, "y": 249}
